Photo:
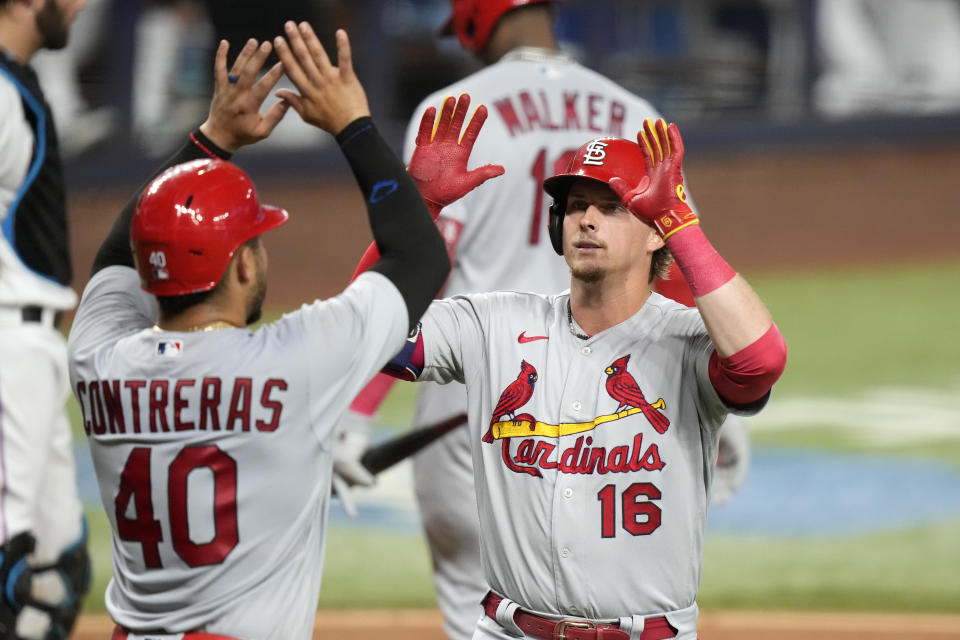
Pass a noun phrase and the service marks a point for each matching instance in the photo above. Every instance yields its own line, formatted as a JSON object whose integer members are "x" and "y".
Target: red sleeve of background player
{"x": 674, "y": 286}
{"x": 370, "y": 398}
{"x": 748, "y": 375}
{"x": 370, "y": 256}
{"x": 449, "y": 229}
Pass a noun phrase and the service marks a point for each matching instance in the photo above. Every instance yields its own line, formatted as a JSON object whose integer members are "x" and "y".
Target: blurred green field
{"x": 854, "y": 329}
{"x": 848, "y": 332}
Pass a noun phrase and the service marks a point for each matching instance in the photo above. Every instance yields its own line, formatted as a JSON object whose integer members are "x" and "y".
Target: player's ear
{"x": 245, "y": 263}
{"x": 654, "y": 240}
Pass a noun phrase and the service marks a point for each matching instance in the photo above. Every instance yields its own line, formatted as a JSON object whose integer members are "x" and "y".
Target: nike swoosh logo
{"x": 523, "y": 338}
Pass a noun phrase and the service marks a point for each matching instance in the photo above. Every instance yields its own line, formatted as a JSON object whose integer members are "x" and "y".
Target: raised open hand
{"x": 439, "y": 162}
{"x": 235, "y": 119}
{"x": 331, "y": 97}
{"x": 659, "y": 199}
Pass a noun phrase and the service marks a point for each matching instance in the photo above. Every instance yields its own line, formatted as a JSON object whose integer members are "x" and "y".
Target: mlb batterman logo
{"x": 170, "y": 348}
{"x": 596, "y": 153}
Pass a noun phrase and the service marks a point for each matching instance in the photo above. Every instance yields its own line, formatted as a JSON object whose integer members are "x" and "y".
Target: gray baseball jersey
{"x": 592, "y": 458}
{"x": 542, "y": 106}
{"x": 213, "y": 450}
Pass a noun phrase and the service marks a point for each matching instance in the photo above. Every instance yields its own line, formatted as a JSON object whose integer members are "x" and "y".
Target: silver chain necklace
{"x": 573, "y": 331}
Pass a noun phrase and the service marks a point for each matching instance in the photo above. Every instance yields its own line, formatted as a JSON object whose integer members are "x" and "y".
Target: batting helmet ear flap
{"x": 555, "y": 225}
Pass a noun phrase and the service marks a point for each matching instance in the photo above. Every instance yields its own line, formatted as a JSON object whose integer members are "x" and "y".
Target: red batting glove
{"x": 659, "y": 200}
{"x": 439, "y": 162}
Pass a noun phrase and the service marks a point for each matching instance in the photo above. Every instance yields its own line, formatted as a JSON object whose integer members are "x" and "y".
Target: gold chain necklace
{"x": 213, "y": 326}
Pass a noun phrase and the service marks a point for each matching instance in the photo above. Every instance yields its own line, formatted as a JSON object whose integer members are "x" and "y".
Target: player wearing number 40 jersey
{"x": 213, "y": 444}
{"x": 594, "y": 438}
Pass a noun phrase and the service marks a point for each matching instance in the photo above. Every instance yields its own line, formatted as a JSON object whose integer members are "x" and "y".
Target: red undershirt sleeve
{"x": 749, "y": 374}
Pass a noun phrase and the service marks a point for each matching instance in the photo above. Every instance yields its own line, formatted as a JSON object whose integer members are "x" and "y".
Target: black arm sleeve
{"x": 412, "y": 252}
{"x": 115, "y": 250}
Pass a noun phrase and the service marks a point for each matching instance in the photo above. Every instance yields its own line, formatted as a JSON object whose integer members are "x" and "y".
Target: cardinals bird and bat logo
{"x": 507, "y": 423}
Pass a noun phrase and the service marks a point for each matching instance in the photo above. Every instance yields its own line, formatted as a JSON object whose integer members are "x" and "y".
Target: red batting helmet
{"x": 600, "y": 159}
{"x": 473, "y": 20}
{"x": 190, "y": 221}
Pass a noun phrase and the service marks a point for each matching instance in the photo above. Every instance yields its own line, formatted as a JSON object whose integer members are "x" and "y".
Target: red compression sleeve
{"x": 372, "y": 254}
{"x": 747, "y": 375}
{"x": 371, "y": 396}
{"x": 434, "y": 208}
{"x": 700, "y": 263}
{"x": 674, "y": 287}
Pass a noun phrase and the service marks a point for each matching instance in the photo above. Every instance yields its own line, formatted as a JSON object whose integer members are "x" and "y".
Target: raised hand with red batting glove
{"x": 439, "y": 169}
{"x": 659, "y": 199}
{"x": 439, "y": 162}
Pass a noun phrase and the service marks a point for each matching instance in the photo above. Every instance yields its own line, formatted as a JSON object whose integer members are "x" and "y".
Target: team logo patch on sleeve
{"x": 170, "y": 348}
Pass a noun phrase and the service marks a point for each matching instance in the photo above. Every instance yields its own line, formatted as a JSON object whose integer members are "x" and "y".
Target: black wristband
{"x": 354, "y": 129}
{"x": 208, "y": 146}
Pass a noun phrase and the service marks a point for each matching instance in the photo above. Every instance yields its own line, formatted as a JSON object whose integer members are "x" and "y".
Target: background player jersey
{"x": 194, "y": 436}
{"x": 35, "y": 264}
{"x": 596, "y": 444}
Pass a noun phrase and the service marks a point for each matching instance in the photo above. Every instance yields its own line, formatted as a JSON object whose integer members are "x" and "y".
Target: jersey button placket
{"x": 567, "y": 509}
{"x": 576, "y": 406}
{"x": 586, "y": 351}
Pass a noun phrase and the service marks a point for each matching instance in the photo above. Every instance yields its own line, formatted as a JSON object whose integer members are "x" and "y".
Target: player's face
{"x": 54, "y": 19}
{"x": 600, "y": 235}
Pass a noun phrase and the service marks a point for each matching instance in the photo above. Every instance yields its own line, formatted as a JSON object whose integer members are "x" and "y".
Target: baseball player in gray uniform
{"x": 44, "y": 568}
{"x": 543, "y": 106}
{"x": 213, "y": 443}
{"x": 594, "y": 414}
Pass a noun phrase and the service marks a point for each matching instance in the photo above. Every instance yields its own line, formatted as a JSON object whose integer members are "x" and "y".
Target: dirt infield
{"x": 714, "y": 625}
